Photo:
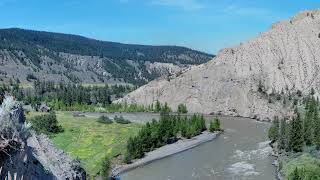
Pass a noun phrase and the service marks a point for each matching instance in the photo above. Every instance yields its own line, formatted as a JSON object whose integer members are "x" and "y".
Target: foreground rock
{"x": 165, "y": 151}
{"x": 239, "y": 80}
{"x": 25, "y": 155}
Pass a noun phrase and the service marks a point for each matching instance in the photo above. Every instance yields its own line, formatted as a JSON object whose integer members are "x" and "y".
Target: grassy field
{"x": 91, "y": 141}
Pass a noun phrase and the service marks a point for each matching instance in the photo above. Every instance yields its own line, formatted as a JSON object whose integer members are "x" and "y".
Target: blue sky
{"x": 206, "y": 25}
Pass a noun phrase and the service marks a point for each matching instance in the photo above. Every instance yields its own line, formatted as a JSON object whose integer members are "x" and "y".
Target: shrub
{"x": 46, "y": 124}
{"x": 104, "y": 120}
{"x": 121, "y": 120}
{"x": 299, "y": 93}
{"x": 31, "y": 77}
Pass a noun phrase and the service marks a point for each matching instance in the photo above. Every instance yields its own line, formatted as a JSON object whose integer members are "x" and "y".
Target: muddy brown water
{"x": 241, "y": 152}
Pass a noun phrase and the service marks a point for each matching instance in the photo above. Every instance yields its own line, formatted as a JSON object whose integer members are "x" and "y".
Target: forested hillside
{"x": 27, "y": 55}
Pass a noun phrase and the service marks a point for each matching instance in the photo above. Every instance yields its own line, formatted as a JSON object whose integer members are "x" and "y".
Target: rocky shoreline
{"x": 165, "y": 151}
{"x": 276, "y": 154}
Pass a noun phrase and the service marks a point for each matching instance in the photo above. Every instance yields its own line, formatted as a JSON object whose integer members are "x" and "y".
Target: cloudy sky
{"x": 206, "y": 25}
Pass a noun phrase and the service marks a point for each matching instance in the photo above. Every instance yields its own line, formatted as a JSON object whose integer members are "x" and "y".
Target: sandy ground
{"x": 165, "y": 151}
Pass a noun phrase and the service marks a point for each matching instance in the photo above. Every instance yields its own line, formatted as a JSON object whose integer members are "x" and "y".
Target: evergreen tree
{"x": 158, "y": 106}
{"x": 312, "y": 91}
{"x": 282, "y": 135}
{"x": 296, "y": 133}
{"x": 182, "y": 108}
{"x": 308, "y": 122}
{"x": 288, "y": 136}
{"x": 295, "y": 175}
{"x": 214, "y": 125}
{"x": 166, "y": 108}
{"x": 274, "y": 130}
{"x": 317, "y": 129}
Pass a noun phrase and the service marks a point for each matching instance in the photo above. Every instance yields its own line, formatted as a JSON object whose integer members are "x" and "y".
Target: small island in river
{"x": 170, "y": 135}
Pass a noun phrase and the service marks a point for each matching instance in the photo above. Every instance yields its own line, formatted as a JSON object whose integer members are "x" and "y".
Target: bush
{"x": 104, "y": 120}
{"x": 46, "y": 124}
{"x": 31, "y": 77}
{"x": 121, "y": 120}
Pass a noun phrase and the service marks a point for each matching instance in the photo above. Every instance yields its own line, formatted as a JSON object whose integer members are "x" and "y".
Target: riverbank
{"x": 276, "y": 155}
{"x": 165, "y": 151}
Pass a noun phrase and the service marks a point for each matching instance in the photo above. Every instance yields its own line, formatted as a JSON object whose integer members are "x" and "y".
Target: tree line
{"x": 300, "y": 132}
{"x": 64, "y": 96}
{"x": 165, "y": 131}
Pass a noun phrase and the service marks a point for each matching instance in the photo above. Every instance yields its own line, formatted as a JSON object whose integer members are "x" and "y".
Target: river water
{"x": 241, "y": 152}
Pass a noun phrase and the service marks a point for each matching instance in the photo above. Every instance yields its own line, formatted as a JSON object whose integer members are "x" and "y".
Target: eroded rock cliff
{"x": 283, "y": 59}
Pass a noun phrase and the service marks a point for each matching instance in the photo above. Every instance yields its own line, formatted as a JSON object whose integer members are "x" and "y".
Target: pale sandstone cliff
{"x": 285, "y": 58}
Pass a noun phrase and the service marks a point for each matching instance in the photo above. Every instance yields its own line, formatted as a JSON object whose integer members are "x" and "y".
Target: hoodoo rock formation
{"x": 239, "y": 80}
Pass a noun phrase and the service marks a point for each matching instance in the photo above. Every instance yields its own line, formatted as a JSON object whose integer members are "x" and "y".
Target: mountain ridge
{"x": 41, "y": 53}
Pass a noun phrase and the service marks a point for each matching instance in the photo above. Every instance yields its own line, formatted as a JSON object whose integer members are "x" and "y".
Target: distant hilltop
{"x": 27, "y": 55}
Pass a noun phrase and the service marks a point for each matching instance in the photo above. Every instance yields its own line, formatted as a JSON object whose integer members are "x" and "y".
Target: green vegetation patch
{"x": 90, "y": 141}
{"x": 165, "y": 131}
{"x": 308, "y": 166}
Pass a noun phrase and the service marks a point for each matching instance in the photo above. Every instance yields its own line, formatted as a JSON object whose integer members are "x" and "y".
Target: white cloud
{"x": 189, "y": 5}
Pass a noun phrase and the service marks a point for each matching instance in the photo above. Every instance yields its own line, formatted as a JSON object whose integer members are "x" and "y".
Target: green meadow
{"x": 90, "y": 141}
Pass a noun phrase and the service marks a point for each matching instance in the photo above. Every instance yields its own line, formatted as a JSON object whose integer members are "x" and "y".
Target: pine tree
{"x": 158, "y": 106}
{"x": 312, "y": 91}
{"x": 317, "y": 129}
{"x": 217, "y": 124}
{"x": 296, "y": 134}
{"x": 214, "y": 125}
{"x": 295, "y": 175}
{"x": 282, "y": 135}
{"x": 288, "y": 136}
{"x": 308, "y": 122}
{"x": 182, "y": 109}
{"x": 274, "y": 130}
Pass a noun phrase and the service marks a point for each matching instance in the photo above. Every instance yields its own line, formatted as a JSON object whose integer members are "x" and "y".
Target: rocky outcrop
{"x": 25, "y": 155}
{"x": 283, "y": 59}
{"x": 55, "y": 160}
